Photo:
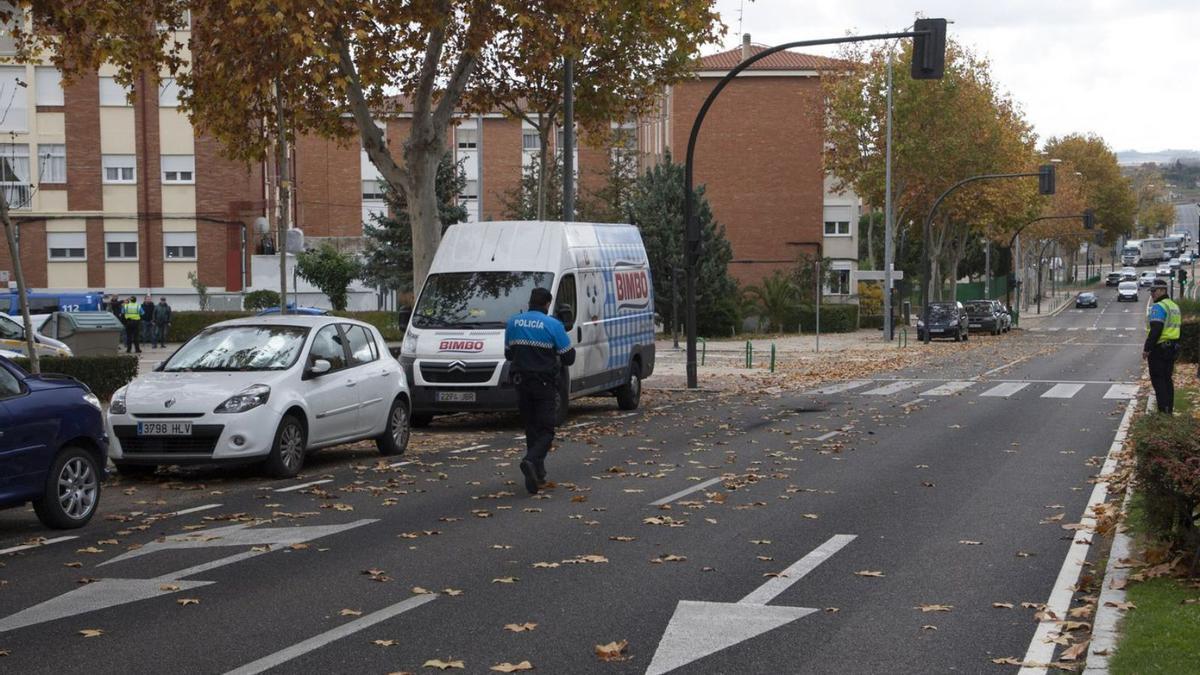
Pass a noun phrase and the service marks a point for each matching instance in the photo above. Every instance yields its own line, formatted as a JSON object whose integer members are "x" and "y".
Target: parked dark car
{"x": 52, "y": 446}
{"x": 946, "y": 320}
{"x": 1114, "y": 278}
{"x": 988, "y": 315}
{"x": 292, "y": 309}
{"x": 1086, "y": 299}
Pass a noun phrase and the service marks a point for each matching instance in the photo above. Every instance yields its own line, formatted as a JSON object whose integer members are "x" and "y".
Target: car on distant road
{"x": 263, "y": 390}
{"x": 1164, "y": 270}
{"x": 987, "y": 315}
{"x": 1175, "y": 264}
{"x": 1128, "y": 290}
{"x": 1086, "y": 299}
{"x": 1147, "y": 278}
{"x": 52, "y": 446}
{"x": 1114, "y": 278}
{"x": 1186, "y": 258}
{"x": 12, "y": 337}
{"x": 946, "y": 320}
{"x": 292, "y": 309}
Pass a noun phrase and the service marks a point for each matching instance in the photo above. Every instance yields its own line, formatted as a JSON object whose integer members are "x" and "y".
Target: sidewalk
{"x": 1052, "y": 305}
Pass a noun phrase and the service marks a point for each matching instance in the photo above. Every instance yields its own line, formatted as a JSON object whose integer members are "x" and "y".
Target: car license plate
{"x": 973, "y": 325}
{"x": 456, "y": 396}
{"x": 164, "y": 428}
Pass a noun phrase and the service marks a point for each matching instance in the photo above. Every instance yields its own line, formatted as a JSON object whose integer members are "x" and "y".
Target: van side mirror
{"x": 319, "y": 367}
{"x": 566, "y": 315}
{"x": 403, "y": 316}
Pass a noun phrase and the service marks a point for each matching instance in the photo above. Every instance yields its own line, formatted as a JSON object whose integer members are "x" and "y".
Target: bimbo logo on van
{"x": 633, "y": 287}
{"x": 461, "y": 346}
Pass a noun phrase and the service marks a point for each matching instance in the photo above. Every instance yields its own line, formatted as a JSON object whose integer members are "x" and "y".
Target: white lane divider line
{"x": 825, "y": 437}
{"x": 1005, "y": 389}
{"x": 893, "y": 388}
{"x": 293, "y": 488}
{"x": 1121, "y": 391}
{"x": 26, "y": 547}
{"x": 1041, "y": 648}
{"x": 580, "y": 425}
{"x": 683, "y": 493}
{"x": 397, "y": 465}
{"x": 947, "y": 389}
{"x": 318, "y": 641}
{"x": 1073, "y": 328}
{"x": 913, "y": 402}
{"x": 626, "y": 416}
{"x": 469, "y": 449}
{"x": 796, "y": 571}
{"x": 194, "y": 509}
{"x": 1062, "y": 390}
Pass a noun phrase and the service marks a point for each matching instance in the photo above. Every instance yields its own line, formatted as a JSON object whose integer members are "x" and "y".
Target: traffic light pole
{"x": 928, "y": 58}
{"x": 1013, "y": 239}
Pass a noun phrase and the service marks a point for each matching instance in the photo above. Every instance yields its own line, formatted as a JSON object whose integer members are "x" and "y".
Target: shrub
{"x": 834, "y": 319}
{"x": 261, "y": 299}
{"x": 186, "y": 324}
{"x": 1167, "y": 449}
{"x": 773, "y": 301}
{"x": 1189, "y": 340}
{"x": 385, "y": 321}
{"x": 870, "y": 321}
{"x": 102, "y": 374}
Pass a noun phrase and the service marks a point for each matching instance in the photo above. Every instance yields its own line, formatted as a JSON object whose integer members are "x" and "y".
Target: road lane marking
{"x": 1073, "y": 328}
{"x": 683, "y": 493}
{"x": 1121, "y": 391}
{"x": 1010, "y": 364}
{"x": 825, "y": 437}
{"x": 194, "y": 509}
{"x": 913, "y": 402}
{"x": 1005, "y": 389}
{"x": 1062, "y": 390}
{"x": 26, "y": 547}
{"x": 840, "y": 387}
{"x": 948, "y": 388}
{"x": 292, "y": 488}
{"x": 316, "y": 642}
{"x": 797, "y": 571}
{"x": 397, "y": 465}
{"x": 1053, "y": 329}
{"x": 1041, "y": 647}
{"x": 893, "y": 388}
{"x": 469, "y": 449}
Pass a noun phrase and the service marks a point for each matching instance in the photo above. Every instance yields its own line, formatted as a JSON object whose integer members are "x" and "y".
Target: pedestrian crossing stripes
{"x": 1055, "y": 329}
{"x": 984, "y": 389}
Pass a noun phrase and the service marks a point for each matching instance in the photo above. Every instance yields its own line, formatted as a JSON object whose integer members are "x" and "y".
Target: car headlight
{"x": 117, "y": 405}
{"x": 920, "y": 323}
{"x": 409, "y": 346}
{"x": 91, "y": 400}
{"x": 248, "y": 399}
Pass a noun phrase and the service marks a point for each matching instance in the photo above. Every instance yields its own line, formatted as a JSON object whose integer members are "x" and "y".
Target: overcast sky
{"x": 1126, "y": 70}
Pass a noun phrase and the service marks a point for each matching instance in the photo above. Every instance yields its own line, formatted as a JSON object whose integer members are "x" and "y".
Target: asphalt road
{"x": 760, "y": 532}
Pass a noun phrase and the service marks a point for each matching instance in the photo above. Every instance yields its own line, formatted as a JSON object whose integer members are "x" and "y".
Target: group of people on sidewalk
{"x": 142, "y": 322}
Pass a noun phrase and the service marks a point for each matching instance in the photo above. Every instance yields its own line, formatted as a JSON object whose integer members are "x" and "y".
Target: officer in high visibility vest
{"x": 1162, "y": 344}
{"x": 131, "y": 312}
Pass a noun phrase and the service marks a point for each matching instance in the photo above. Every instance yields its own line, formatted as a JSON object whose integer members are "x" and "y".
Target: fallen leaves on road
{"x": 1123, "y": 606}
{"x": 970, "y": 542}
{"x": 187, "y": 601}
{"x": 384, "y": 643}
{"x": 1075, "y": 651}
{"x": 613, "y": 651}
{"x": 73, "y": 564}
{"x": 668, "y": 557}
{"x": 90, "y": 549}
{"x": 520, "y": 627}
{"x": 350, "y": 612}
{"x": 443, "y": 665}
{"x": 452, "y": 592}
{"x": 622, "y": 538}
{"x": 544, "y": 565}
{"x": 760, "y": 541}
{"x": 512, "y": 667}
{"x": 1002, "y": 605}
{"x": 91, "y": 632}
{"x": 417, "y": 590}
{"x": 934, "y": 608}
{"x": 505, "y": 580}
{"x": 868, "y": 573}
{"x": 168, "y": 587}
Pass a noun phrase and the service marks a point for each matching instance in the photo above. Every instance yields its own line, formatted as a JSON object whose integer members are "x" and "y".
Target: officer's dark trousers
{"x": 133, "y": 336}
{"x": 536, "y": 402}
{"x": 1162, "y": 366}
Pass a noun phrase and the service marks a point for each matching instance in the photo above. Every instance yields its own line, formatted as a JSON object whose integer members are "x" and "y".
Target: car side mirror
{"x": 319, "y": 367}
{"x": 403, "y": 316}
{"x": 566, "y": 315}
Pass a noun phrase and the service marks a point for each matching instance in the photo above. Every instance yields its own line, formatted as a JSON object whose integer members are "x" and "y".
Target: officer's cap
{"x": 1160, "y": 283}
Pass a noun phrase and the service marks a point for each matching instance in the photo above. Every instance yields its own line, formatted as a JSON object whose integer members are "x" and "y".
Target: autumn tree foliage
{"x": 334, "y": 67}
{"x": 1106, "y": 190}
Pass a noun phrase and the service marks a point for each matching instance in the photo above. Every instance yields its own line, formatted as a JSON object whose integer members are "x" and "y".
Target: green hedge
{"x": 260, "y": 299}
{"x": 1189, "y": 340}
{"x": 834, "y": 319}
{"x": 385, "y": 321}
{"x": 186, "y": 324}
{"x": 870, "y": 321}
{"x": 102, "y": 374}
{"x": 1167, "y": 449}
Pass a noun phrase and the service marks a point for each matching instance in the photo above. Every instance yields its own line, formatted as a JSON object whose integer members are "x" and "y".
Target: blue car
{"x": 53, "y": 446}
{"x": 292, "y": 309}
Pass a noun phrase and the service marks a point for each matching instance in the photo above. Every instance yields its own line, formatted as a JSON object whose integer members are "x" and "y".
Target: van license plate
{"x": 456, "y": 397}
{"x": 164, "y": 428}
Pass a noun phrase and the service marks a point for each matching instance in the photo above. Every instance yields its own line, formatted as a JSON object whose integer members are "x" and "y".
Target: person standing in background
{"x": 162, "y": 322}
{"x": 132, "y": 313}
{"x": 148, "y": 320}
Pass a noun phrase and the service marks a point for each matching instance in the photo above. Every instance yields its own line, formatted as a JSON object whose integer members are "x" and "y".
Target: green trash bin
{"x": 86, "y": 333}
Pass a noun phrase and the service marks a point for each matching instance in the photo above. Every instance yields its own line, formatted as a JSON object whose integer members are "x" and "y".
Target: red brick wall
{"x": 328, "y": 187}
{"x": 149, "y": 181}
{"x": 225, "y": 190}
{"x": 501, "y": 164}
{"x": 82, "y": 115}
{"x": 593, "y": 168}
{"x": 759, "y": 154}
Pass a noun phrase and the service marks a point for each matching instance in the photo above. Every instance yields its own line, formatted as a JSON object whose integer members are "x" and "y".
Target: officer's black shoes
{"x": 531, "y": 481}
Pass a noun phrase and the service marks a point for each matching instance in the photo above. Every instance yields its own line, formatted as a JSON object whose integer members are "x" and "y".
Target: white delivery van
{"x": 453, "y": 350}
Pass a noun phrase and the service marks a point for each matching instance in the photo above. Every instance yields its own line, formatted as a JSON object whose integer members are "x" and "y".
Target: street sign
{"x": 698, "y": 629}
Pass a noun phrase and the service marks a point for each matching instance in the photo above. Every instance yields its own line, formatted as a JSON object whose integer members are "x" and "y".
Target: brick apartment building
{"x": 122, "y": 195}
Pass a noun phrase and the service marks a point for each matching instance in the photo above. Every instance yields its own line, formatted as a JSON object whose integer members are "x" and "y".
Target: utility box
{"x": 86, "y": 333}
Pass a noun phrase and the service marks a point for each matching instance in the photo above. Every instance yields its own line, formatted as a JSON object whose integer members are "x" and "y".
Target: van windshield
{"x": 476, "y": 299}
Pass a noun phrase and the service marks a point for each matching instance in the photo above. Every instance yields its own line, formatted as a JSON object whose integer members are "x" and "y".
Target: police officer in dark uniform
{"x": 537, "y": 346}
{"x": 1162, "y": 344}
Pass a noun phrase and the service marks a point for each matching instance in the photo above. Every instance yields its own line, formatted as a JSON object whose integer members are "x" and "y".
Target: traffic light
{"x": 1089, "y": 220}
{"x": 929, "y": 49}
{"x": 1182, "y": 276}
{"x": 1046, "y": 179}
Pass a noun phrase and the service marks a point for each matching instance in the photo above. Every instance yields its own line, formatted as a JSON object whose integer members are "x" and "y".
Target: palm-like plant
{"x": 774, "y": 300}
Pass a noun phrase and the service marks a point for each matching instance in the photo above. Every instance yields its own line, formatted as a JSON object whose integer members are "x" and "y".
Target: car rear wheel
{"x": 394, "y": 440}
{"x": 287, "y": 452}
{"x": 629, "y": 395}
{"x": 72, "y": 490}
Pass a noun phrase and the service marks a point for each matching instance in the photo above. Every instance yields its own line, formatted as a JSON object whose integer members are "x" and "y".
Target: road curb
{"x": 1109, "y": 614}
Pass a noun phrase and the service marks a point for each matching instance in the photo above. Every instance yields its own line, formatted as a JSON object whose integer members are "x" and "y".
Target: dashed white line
{"x": 469, "y": 449}
{"x": 825, "y": 437}
{"x": 293, "y": 488}
{"x": 195, "y": 509}
{"x": 397, "y": 465}
{"x": 580, "y": 425}
{"x": 26, "y": 547}
{"x": 683, "y": 493}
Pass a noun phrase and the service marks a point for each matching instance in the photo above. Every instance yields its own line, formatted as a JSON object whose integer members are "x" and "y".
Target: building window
{"x": 47, "y": 85}
{"x": 179, "y": 245}
{"x": 168, "y": 93}
{"x": 66, "y": 246}
{"x": 837, "y": 228}
{"x": 119, "y": 168}
{"x": 530, "y": 140}
{"x": 52, "y": 163}
{"x": 468, "y": 139}
{"x": 13, "y": 97}
{"x": 372, "y": 191}
{"x": 14, "y": 174}
{"x": 120, "y": 246}
{"x": 179, "y": 169}
{"x": 470, "y": 190}
{"x": 113, "y": 94}
{"x": 839, "y": 282}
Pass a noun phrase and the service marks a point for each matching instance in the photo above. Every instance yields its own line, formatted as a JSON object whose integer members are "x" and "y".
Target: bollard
{"x": 703, "y": 350}
{"x": 903, "y": 341}
{"x": 772, "y": 357}
{"x": 749, "y": 354}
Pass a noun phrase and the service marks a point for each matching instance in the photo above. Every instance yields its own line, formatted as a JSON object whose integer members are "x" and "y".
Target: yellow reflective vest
{"x": 1171, "y": 327}
{"x": 133, "y": 311}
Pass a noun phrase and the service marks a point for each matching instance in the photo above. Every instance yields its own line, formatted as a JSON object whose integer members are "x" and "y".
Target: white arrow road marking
{"x": 468, "y": 449}
{"x": 106, "y": 593}
{"x": 26, "y": 547}
{"x": 698, "y": 629}
{"x": 194, "y": 509}
{"x": 301, "y": 486}
{"x": 316, "y": 642}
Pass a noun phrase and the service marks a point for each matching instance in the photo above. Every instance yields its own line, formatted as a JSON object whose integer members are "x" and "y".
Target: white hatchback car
{"x": 266, "y": 389}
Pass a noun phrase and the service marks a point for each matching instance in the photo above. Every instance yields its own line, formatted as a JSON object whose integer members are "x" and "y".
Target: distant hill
{"x": 1134, "y": 157}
